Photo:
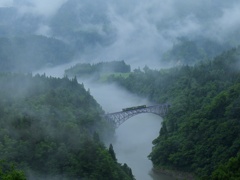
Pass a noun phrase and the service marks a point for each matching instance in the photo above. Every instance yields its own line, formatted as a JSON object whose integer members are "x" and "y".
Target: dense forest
{"x": 200, "y": 134}
{"x": 87, "y": 70}
{"x": 52, "y": 128}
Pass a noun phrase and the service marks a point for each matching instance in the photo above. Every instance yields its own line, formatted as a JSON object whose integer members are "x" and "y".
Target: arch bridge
{"x": 120, "y": 117}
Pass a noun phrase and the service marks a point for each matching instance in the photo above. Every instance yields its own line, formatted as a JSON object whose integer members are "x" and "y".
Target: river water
{"x": 133, "y": 141}
{"x": 134, "y": 137}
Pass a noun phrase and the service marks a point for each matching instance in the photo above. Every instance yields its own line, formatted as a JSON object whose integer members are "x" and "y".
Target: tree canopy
{"x": 86, "y": 70}
{"x": 201, "y": 130}
{"x": 53, "y": 127}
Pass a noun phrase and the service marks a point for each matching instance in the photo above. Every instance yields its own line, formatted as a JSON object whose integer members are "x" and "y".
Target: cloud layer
{"x": 136, "y": 31}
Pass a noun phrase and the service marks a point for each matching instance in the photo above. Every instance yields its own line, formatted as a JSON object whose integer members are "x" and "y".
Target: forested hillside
{"x": 189, "y": 52}
{"x": 29, "y": 53}
{"x": 201, "y": 131}
{"x": 52, "y": 128}
{"x": 87, "y": 70}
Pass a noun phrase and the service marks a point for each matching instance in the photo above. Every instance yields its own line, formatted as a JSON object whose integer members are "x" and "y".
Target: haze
{"x": 138, "y": 32}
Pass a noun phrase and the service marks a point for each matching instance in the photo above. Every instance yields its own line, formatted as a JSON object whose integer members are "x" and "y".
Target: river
{"x": 134, "y": 137}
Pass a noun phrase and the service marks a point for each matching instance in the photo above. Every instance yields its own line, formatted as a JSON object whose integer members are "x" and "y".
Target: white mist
{"x": 134, "y": 137}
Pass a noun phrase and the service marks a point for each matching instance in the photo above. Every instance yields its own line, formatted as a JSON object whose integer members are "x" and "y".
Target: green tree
{"x": 112, "y": 153}
{"x": 9, "y": 172}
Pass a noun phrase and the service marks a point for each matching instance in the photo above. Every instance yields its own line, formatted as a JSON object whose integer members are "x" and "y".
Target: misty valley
{"x": 171, "y": 69}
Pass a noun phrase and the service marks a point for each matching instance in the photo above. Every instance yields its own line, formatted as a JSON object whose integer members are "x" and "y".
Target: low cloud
{"x": 138, "y": 32}
{"x": 229, "y": 23}
{"x": 43, "y": 30}
{"x": 6, "y": 3}
{"x": 145, "y": 30}
{"x": 38, "y": 7}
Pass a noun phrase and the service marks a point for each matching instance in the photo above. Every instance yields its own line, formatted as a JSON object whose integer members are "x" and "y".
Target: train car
{"x": 134, "y": 108}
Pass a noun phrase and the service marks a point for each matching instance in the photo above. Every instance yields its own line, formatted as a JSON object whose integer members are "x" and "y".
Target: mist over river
{"x": 133, "y": 141}
{"x": 134, "y": 137}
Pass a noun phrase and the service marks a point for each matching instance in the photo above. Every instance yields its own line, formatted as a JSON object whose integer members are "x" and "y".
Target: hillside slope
{"x": 51, "y": 128}
{"x": 201, "y": 130}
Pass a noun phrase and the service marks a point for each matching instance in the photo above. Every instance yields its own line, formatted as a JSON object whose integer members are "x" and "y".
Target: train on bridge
{"x": 134, "y": 108}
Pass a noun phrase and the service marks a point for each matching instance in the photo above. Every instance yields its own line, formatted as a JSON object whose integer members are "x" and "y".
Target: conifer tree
{"x": 112, "y": 153}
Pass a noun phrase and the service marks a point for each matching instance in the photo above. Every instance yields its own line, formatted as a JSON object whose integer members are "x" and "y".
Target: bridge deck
{"x": 120, "y": 117}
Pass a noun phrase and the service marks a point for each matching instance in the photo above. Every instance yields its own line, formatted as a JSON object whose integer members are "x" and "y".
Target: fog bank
{"x": 138, "y": 32}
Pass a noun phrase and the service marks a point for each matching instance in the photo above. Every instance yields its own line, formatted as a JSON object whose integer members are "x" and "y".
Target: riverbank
{"x": 179, "y": 175}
